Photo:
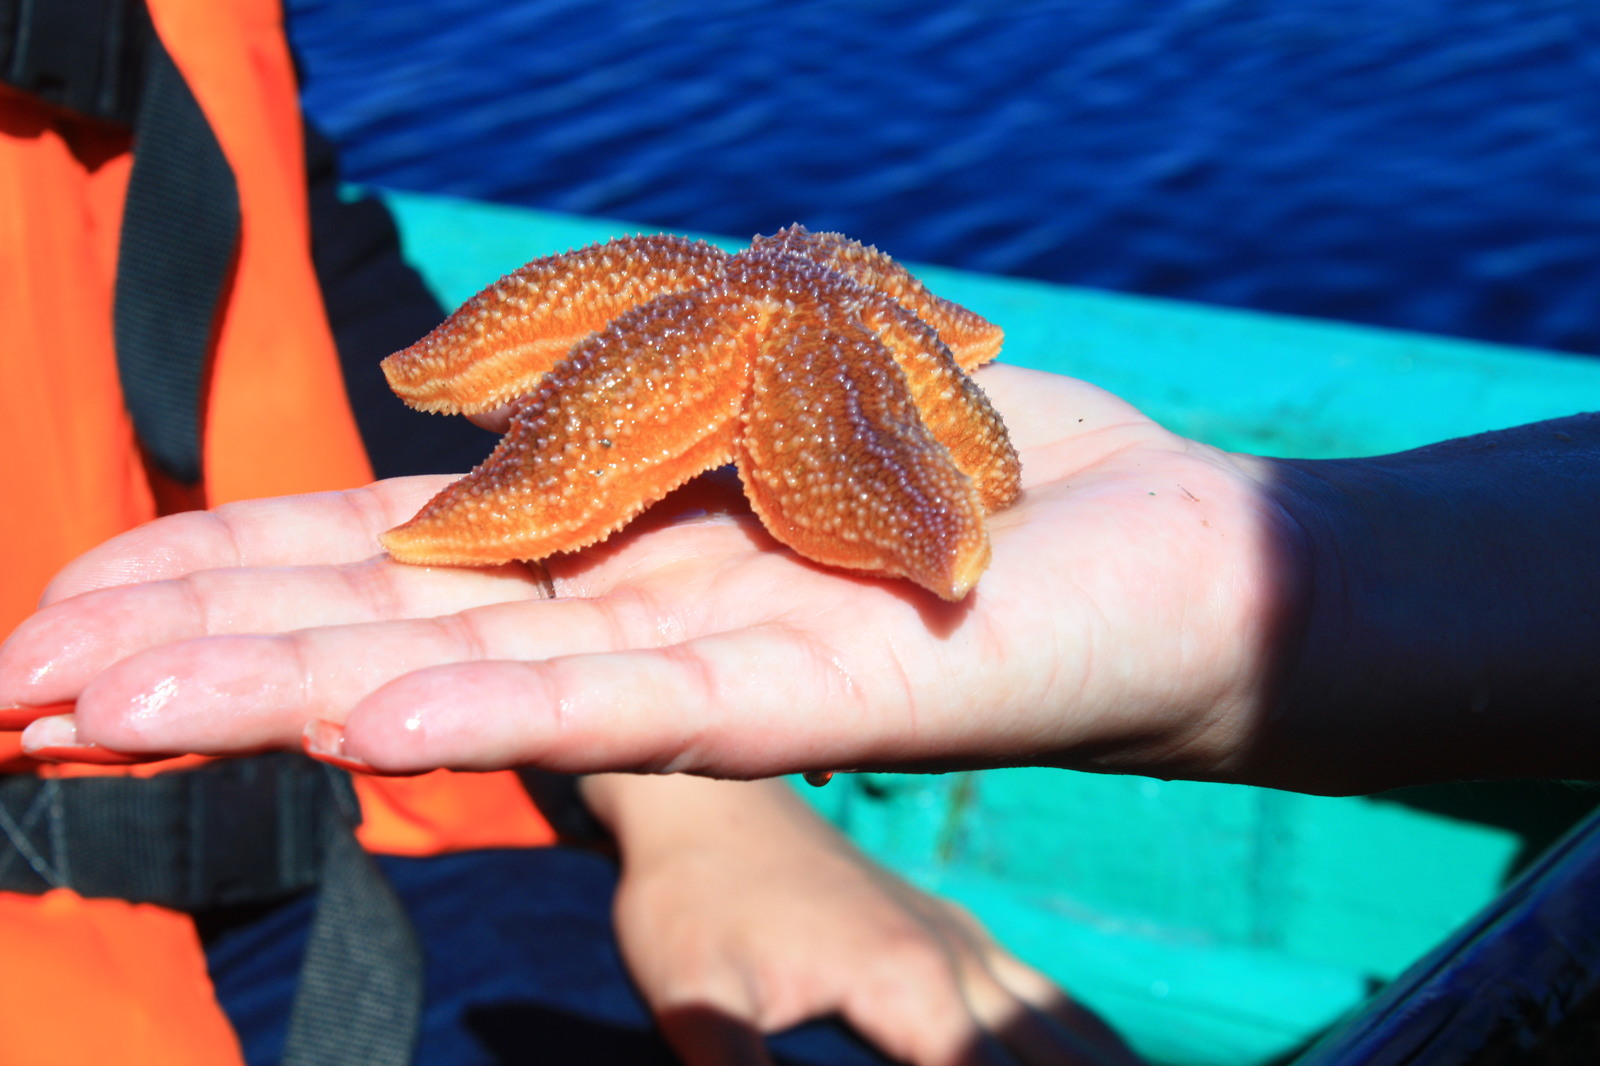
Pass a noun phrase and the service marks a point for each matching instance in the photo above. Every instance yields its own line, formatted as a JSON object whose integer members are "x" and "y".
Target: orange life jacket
{"x": 95, "y": 980}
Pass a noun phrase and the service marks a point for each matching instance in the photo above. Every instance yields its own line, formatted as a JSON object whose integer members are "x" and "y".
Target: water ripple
{"x": 1430, "y": 164}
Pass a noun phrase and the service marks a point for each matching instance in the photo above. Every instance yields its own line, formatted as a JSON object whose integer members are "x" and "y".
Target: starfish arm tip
{"x": 403, "y": 546}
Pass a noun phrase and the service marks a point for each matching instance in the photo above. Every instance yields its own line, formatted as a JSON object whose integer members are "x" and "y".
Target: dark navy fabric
{"x": 378, "y": 304}
{"x": 522, "y": 967}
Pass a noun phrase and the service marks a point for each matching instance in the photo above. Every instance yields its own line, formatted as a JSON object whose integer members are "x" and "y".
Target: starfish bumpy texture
{"x": 833, "y": 380}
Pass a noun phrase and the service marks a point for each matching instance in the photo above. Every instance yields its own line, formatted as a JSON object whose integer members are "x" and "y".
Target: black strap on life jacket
{"x": 180, "y": 234}
{"x": 101, "y": 60}
{"x": 238, "y": 832}
{"x": 250, "y": 830}
{"x": 234, "y": 832}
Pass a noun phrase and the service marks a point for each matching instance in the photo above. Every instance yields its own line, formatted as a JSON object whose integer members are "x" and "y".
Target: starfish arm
{"x": 972, "y": 339}
{"x": 633, "y": 412}
{"x": 839, "y": 467}
{"x": 500, "y": 343}
{"x": 951, "y": 404}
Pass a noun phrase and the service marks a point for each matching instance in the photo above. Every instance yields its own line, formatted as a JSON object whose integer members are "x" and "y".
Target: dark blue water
{"x": 1427, "y": 164}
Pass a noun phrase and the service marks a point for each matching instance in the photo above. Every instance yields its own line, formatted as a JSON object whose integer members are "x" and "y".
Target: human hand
{"x": 1127, "y": 622}
{"x": 740, "y": 913}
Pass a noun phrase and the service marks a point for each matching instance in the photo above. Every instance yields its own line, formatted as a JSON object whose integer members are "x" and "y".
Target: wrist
{"x": 672, "y": 811}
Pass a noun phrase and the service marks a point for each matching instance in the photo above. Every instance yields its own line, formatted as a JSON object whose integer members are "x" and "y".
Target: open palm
{"x": 1133, "y": 595}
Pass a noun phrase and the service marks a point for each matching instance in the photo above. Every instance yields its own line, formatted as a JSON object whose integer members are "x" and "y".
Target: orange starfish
{"x": 833, "y": 380}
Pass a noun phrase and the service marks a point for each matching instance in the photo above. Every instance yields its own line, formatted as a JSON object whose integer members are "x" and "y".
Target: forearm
{"x": 1449, "y": 625}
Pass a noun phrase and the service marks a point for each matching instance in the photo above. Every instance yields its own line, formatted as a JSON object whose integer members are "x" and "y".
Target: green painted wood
{"x": 1215, "y": 924}
{"x": 1271, "y": 384}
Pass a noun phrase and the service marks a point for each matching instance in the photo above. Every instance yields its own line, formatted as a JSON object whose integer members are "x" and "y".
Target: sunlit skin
{"x": 741, "y": 912}
{"x": 1127, "y": 582}
{"x": 1154, "y": 605}
{"x": 831, "y": 379}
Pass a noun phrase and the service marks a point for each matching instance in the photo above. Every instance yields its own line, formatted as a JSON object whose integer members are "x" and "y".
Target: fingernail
{"x": 324, "y": 742}
{"x": 55, "y": 739}
{"x": 15, "y": 718}
{"x": 55, "y": 731}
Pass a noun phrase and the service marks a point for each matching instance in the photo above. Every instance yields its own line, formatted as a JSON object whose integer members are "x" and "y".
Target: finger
{"x": 55, "y": 739}
{"x": 1024, "y": 1008}
{"x": 706, "y": 1035}
{"x": 328, "y": 527}
{"x": 495, "y": 420}
{"x": 753, "y": 702}
{"x": 54, "y": 654}
{"x": 1050, "y": 1006}
{"x": 1034, "y": 1036}
{"x": 916, "y": 1013}
{"x": 998, "y": 1023}
{"x": 220, "y": 694}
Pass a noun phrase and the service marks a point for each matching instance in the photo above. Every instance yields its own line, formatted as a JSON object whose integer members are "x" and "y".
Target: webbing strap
{"x": 180, "y": 231}
{"x": 359, "y": 1001}
{"x": 238, "y": 831}
{"x": 230, "y": 832}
